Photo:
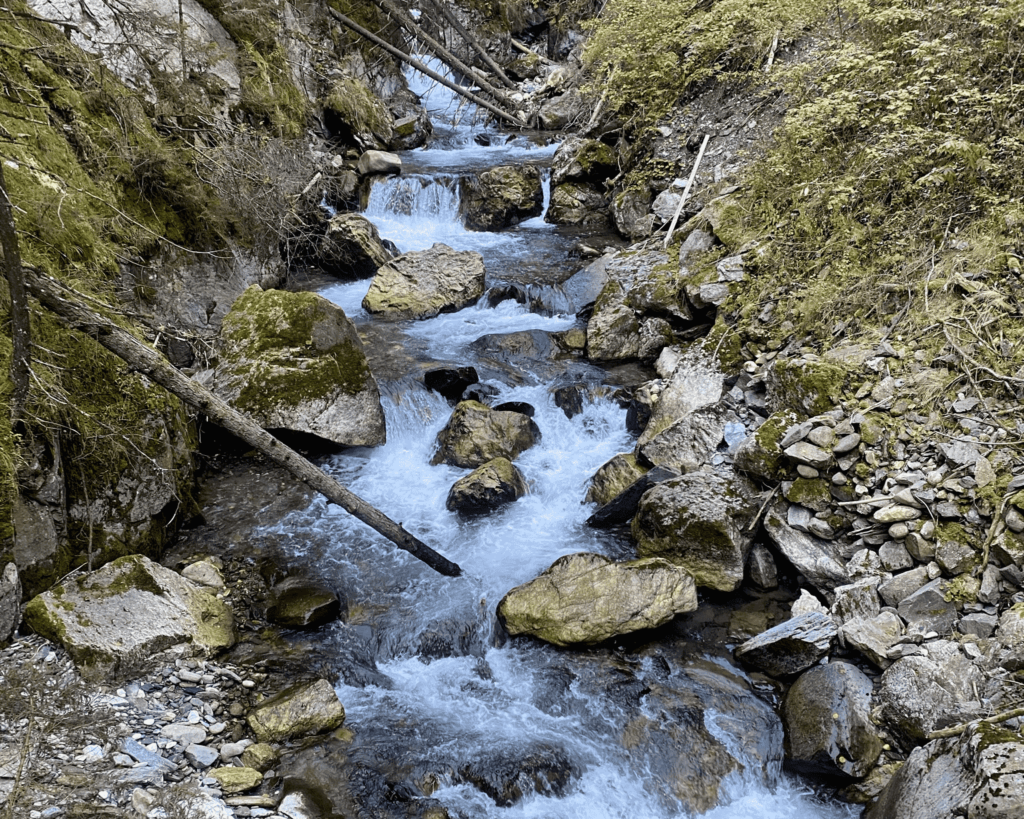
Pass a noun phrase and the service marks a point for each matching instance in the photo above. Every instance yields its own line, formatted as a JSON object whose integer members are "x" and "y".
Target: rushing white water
{"x": 472, "y": 698}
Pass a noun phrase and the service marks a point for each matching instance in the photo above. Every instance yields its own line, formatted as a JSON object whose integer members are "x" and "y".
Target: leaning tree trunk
{"x": 144, "y": 359}
{"x": 440, "y": 8}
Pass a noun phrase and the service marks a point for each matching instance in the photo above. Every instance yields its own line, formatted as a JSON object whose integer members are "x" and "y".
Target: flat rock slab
{"x": 421, "y": 284}
{"x": 790, "y": 647}
{"x": 816, "y": 559}
{"x": 117, "y": 621}
{"x": 587, "y": 598}
{"x": 303, "y": 709}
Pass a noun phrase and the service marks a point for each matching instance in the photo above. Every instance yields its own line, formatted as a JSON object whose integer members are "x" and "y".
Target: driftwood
{"x": 440, "y": 7}
{"x": 686, "y": 190}
{"x": 373, "y": 38}
{"x": 956, "y": 730}
{"x": 440, "y": 50}
{"x": 66, "y": 304}
{"x": 523, "y": 48}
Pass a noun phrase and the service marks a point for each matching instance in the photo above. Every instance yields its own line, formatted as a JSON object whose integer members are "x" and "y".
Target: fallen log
{"x": 458, "y": 89}
{"x": 67, "y": 304}
{"x": 441, "y": 7}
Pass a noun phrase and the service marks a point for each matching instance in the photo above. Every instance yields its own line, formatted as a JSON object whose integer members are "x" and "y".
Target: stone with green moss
{"x": 261, "y": 756}
{"x": 294, "y": 361}
{"x": 613, "y": 331}
{"x": 728, "y": 220}
{"x": 300, "y": 710}
{"x": 588, "y": 598}
{"x": 760, "y": 454}
{"x": 353, "y": 114}
{"x": 577, "y": 203}
{"x": 423, "y": 283}
{"x": 501, "y": 197}
{"x": 613, "y": 477}
{"x": 814, "y": 493}
{"x": 807, "y": 386}
{"x": 120, "y": 620}
{"x": 476, "y": 434}
{"x": 351, "y": 247}
{"x": 488, "y": 487}
{"x": 236, "y": 780}
{"x": 700, "y": 522}
{"x": 583, "y": 160}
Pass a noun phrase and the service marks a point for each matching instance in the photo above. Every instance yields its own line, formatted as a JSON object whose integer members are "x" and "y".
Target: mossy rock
{"x": 488, "y": 487}
{"x": 500, "y": 197}
{"x": 583, "y": 160}
{"x": 236, "y": 780}
{"x": 353, "y": 114}
{"x": 294, "y": 361}
{"x": 814, "y": 493}
{"x": 613, "y": 477}
{"x": 809, "y": 387}
{"x": 476, "y": 434}
{"x": 301, "y": 710}
{"x": 760, "y": 454}
{"x": 421, "y": 284}
{"x": 577, "y": 203}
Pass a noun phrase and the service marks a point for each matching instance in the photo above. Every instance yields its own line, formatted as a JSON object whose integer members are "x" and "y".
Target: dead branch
{"x": 956, "y": 730}
{"x": 441, "y": 7}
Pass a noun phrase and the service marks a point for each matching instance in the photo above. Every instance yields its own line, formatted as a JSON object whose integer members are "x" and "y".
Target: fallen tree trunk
{"x": 66, "y": 304}
{"x": 458, "y": 89}
{"x": 440, "y": 7}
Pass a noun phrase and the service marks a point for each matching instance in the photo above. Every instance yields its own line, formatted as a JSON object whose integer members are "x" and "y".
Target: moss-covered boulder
{"x": 699, "y": 521}
{"x": 486, "y": 488}
{"x": 760, "y": 454}
{"x": 613, "y": 477}
{"x": 588, "y": 598}
{"x": 351, "y": 247}
{"x": 476, "y": 434}
{"x": 423, "y": 283}
{"x": 806, "y": 385}
{"x": 301, "y": 710}
{"x": 501, "y": 197}
{"x": 353, "y": 114}
{"x": 128, "y": 616}
{"x": 577, "y": 203}
{"x": 583, "y": 160}
{"x": 294, "y": 361}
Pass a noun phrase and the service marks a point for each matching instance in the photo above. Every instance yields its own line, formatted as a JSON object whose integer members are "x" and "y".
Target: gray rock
{"x": 577, "y": 203}
{"x": 846, "y": 444}
{"x": 896, "y": 513}
{"x": 919, "y": 548}
{"x": 378, "y": 162}
{"x": 823, "y": 437}
{"x": 954, "y": 556}
{"x": 488, "y": 487}
{"x": 476, "y": 434}
{"x": 817, "y": 560}
{"x": 423, "y": 283}
{"x": 857, "y": 599}
{"x": 351, "y": 247}
{"x": 501, "y": 196}
{"x": 117, "y": 620}
{"x": 294, "y": 361}
{"x": 583, "y": 160}
{"x": 587, "y": 598}
{"x": 828, "y": 724}
{"x": 799, "y": 517}
{"x": 796, "y": 433}
{"x": 614, "y": 475}
{"x": 809, "y": 454}
{"x": 201, "y": 757}
{"x": 928, "y": 610}
{"x": 584, "y": 286}
{"x": 558, "y": 112}
{"x": 140, "y": 753}
{"x": 790, "y": 647}
{"x": 298, "y": 602}
{"x": 761, "y": 568}
{"x": 303, "y": 709}
{"x": 700, "y": 522}
{"x": 960, "y": 453}
{"x": 204, "y": 573}
{"x": 894, "y": 590}
{"x": 184, "y": 733}
{"x": 978, "y": 624}
{"x": 894, "y": 556}
{"x": 692, "y": 386}
{"x": 688, "y": 443}
{"x": 10, "y": 602}
{"x": 874, "y": 636}
{"x": 1010, "y": 635}
{"x": 865, "y": 563}
{"x": 989, "y": 591}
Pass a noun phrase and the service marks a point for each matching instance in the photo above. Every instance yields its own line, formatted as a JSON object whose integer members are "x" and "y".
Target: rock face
{"x": 10, "y": 602}
{"x": 424, "y": 283}
{"x": 587, "y": 598}
{"x": 301, "y": 710}
{"x": 790, "y": 647}
{"x": 118, "y": 620}
{"x": 503, "y": 196}
{"x": 699, "y": 521}
{"x": 294, "y": 361}
{"x": 476, "y": 434}
{"x": 486, "y": 488}
{"x": 351, "y": 247}
{"x": 300, "y": 603}
{"x": 828, "y": 724}
{"x": 979, "y": 774}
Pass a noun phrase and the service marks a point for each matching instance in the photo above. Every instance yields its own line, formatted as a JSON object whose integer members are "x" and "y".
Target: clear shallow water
{"x": 481, "y": 698}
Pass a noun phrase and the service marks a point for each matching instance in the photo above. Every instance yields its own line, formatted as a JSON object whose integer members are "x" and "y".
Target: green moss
{"x": 961, "y": 589}
{"x": 812, "y": 386}
{"x": 765, "y": 459}
{"x": 355, "y": 105}
{"x": 131, "y": 574}
{"x": 811, "y": 492}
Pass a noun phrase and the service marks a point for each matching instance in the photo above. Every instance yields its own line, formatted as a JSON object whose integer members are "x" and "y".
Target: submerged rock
{"x": 502, "y": 196}
{"x": 294, "y": 361}
{"x": 476, "y": 434}
{"x": 587, "y": 598}
{"x": 508, "y": 776}
{"x": 123, "y": 618}
{"x": 301, "y": 710}
{"x": 423, "y": 283}
{"x": 491, "y": 486}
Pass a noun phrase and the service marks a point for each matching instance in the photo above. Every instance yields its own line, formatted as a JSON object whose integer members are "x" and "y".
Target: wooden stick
{"x": 956, "y": 730}
{"x": 525, "y": 49}
{"x": 373, "y": 38}
{"x": 442, "y": 7}
{"x": 686, "y": 190}
{"x": 771, "y": 53}
{"x": 67, "y": 305}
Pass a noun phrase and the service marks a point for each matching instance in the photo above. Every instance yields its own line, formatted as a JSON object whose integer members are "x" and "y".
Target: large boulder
{"x": 613, "y": 331}
{"x": 693, "y": 385}
{"x": 294, "y": 361}
{"x": 583, "y": 160}
{"x": 631, "y": 214}
{"x": 790, "y": 647}
{"x": 623, "y": 506}
{"x": 423, "y": 283}
{"x": 827, "y": 714}
{"x": 351, "y": 247}
{"x": 502, "y": 196}
{"x": 587, "y": 598}
{"x": 979, "y": 774}
{"x": 689, "y": 442}
{"x": 701, "y": 522}
{"x": 577, "y": 203}
{"x": 486, "y": 488}
{"x": 126, "y": 617}
{"x": 301, "y": 710}
{"x": 476, "y": 434}
{"x": 613, "y": 477}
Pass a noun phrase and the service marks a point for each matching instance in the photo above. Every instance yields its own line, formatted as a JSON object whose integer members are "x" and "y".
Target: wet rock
{"x": 922, "y": 693}
{"x": 688, "y": 443}
{"x": 502, "y": 196}
{"x": 587, "y": 598}
{"x": 423, "y": 283}
{"x": 614, "y": 476}
{"x": 577, "y": 203}
{"x": 816, "y": 559}
{"x": 761, "y": 568}
{"x": 294, "y": 361}
{"x": 613, "y": 332}
{"x": 297, "y": 602}
{"x": 488, "y": 487}
{"x": 516, "y": 406}
{"x": 373, "y": 163}
{"x": 693, "y": 385}
{"x": 509, "y": 776}
{"x": 790, "y": 647}
{"x": 874, "y": 636}
{"x": 700, "y": 522}
{"x": 827, "y": 714}
{"x": 978, "y": 774}
{"x": 205, "y": 573}
{"x": 584, "y": 286}
{"x": 451, "y": 382}
{"x": 583, "y": 160}
{"x": 927, "y": 609}
{"x": 130, "y": 614}
{"x": 476, "y": 434}
{"x": 301, "y": 710}
{"x": 631, "y": 214}
{"x": 623, "y": 506}
{"x": 351, "y": 247}
{"x": 10, "y": 602}
{"x": 570, "y": 400}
